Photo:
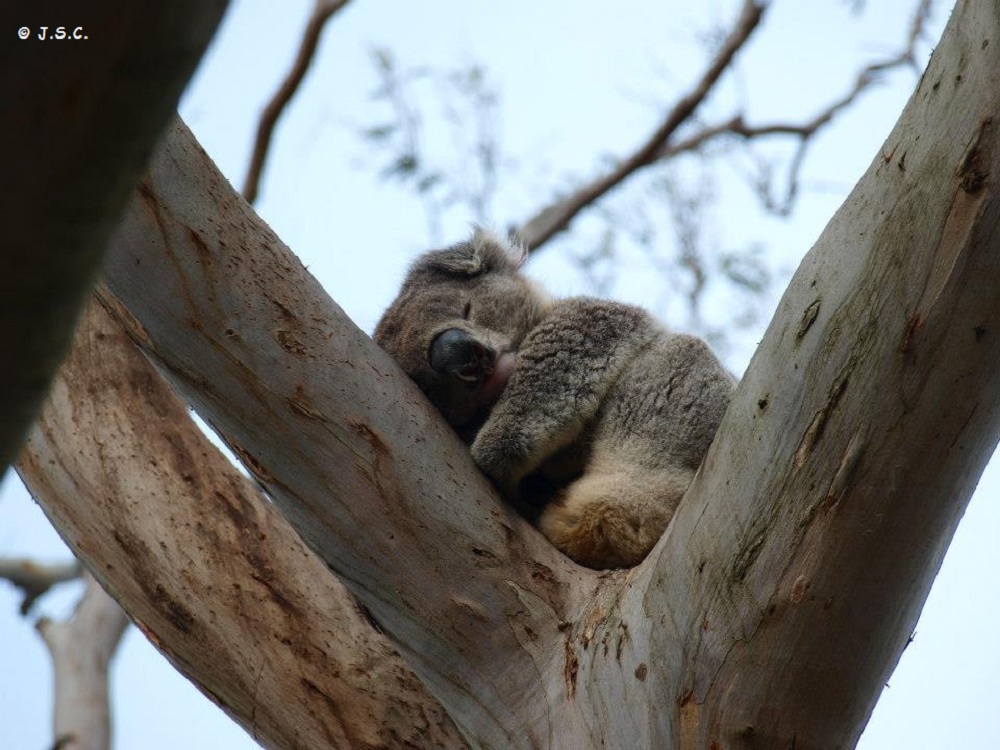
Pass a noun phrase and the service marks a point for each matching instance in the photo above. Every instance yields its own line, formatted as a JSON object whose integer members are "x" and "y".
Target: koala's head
{"x": 457, "y": 323}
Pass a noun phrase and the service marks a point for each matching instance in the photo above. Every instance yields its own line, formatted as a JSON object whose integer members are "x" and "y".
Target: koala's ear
{"x": 497, "y": 250}
{"x": 485, "y": 252}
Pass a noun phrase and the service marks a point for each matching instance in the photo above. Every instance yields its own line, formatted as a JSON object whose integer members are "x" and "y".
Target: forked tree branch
{"x": 345, "y": 444}
{"x": 781, "y": 595}
{"x": 323, "y": 10}
{"x": 207, "y": 567}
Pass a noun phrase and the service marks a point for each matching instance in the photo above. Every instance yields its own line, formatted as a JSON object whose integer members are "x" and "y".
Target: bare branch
{"x": 34, "y": 578}
{"x": 805, "y": 131}
{"x": 322, "y": 12}
{"x": 556, "y": 217}
{"x": 81, "y": 650}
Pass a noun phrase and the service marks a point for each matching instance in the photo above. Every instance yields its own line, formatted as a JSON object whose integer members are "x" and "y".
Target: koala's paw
{"x": 496, "y": 461}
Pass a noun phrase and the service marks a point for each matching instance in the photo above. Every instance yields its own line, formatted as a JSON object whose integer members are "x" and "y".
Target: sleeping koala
{"x": 587, "y": 414}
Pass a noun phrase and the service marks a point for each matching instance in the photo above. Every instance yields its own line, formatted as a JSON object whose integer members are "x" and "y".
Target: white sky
{"x": 579, "y": 81}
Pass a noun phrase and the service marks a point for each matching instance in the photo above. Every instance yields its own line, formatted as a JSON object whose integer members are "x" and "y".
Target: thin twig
{"x": 557, "y": 216}
{"x": 322, "y": 11}
{"x": 805, "y": 131}
{"x": 554, "y": 218}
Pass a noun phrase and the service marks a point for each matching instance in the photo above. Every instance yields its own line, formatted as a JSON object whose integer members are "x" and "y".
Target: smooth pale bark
{"x": 864, "y": 422}
{"x": 81, "y": 649}
{"x": 779, "y": 600}
{"x": 80, "y": 118}
{"x": 207, "y": 567}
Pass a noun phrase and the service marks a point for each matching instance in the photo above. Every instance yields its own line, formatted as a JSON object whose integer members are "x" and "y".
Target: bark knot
{"x": 815, "y": 430}
{"x": 799, "y": 588}
{"x": 748, "y": 555}
{"x": 808, "y": 318}
{"x": 974, "y": 172}
{"x": 570, "y": 669}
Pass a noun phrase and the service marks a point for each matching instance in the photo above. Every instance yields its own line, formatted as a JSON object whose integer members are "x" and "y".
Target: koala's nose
{"x": 459, "y": 353}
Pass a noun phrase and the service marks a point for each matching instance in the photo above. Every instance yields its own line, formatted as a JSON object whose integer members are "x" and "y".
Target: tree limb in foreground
{"x": 778, "y": 601}
{"x": 344, "y": 443}
{"x": 207, "y": 567}
{"x": 80, "y": 120}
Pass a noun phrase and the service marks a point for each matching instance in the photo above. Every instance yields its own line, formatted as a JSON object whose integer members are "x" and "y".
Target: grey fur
{"x": 586, "y": 413}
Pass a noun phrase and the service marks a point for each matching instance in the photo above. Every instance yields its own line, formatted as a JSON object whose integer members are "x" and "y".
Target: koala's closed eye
{"x": 467, "y": 310}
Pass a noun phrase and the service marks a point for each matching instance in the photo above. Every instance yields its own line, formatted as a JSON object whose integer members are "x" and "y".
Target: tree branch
{"x": 789, "y": 582}
{"x": 783, "y": 592}
{"x": 82, "y": 117}
{"x": 556, "y": 217}
{"x": 322, "y": 12}
{"x": 35, "y": 579}
{"x": 81, "y": 650}
{"x": 207, "y": 567}
{"x": 804, "y": 131}
{"x": 659, "y": 147}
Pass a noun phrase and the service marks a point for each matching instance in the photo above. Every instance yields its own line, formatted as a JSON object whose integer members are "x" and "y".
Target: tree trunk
{"x": 81, "y": 649}
{"x": 779, "y": 600}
